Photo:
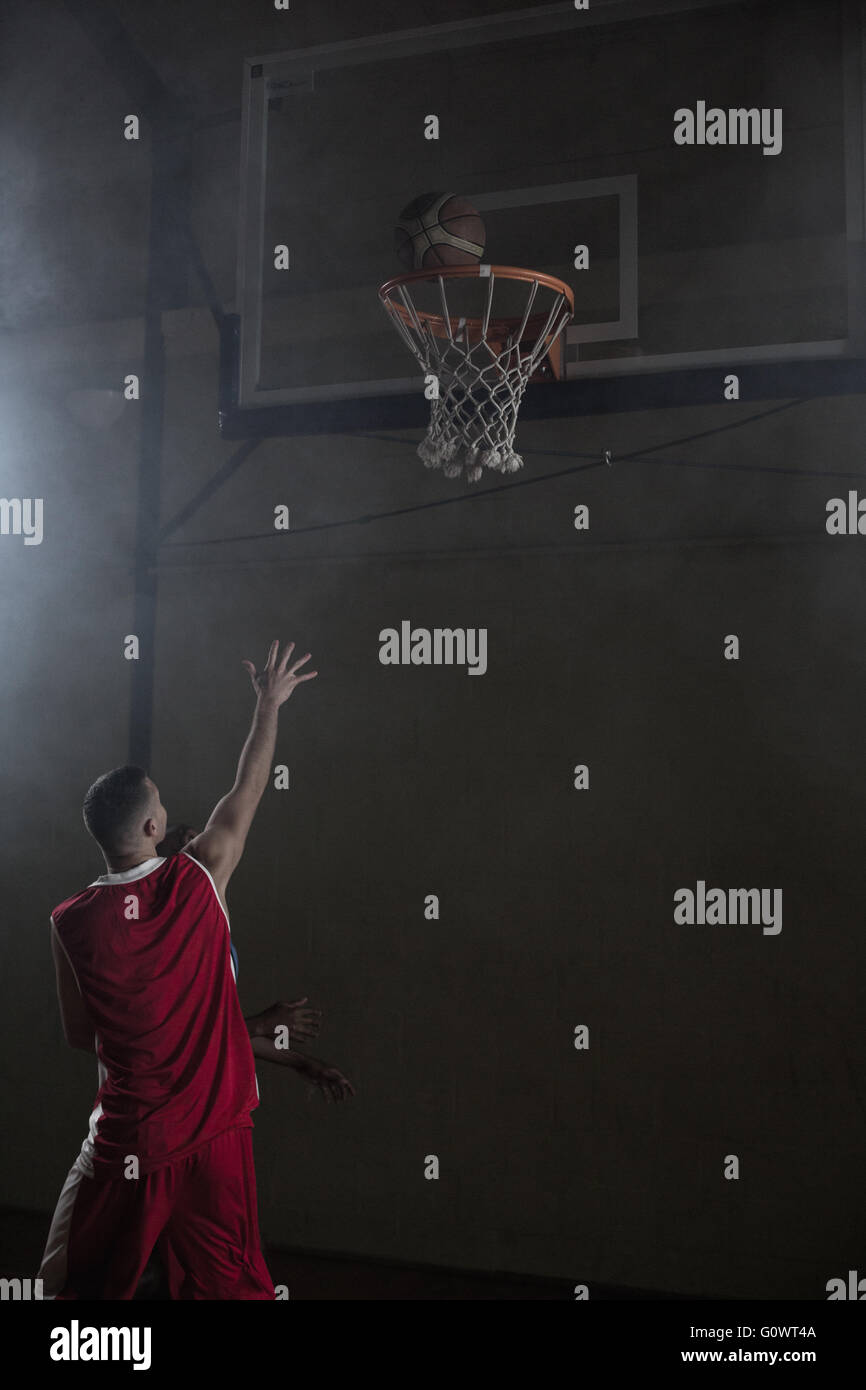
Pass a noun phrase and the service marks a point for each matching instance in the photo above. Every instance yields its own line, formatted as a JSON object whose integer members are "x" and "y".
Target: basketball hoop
{"x": 483, "y": 363}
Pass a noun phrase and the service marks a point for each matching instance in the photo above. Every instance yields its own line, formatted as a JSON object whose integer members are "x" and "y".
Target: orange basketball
{"x": 439, "y": 229}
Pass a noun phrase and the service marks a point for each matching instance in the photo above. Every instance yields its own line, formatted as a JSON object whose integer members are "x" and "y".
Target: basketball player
{"x": 144, "y": 973}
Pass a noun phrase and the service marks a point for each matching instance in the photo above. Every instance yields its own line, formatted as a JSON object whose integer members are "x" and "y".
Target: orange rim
{"x": 497, "y": 329}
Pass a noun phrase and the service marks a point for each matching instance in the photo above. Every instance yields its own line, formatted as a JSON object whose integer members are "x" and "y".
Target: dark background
{"x": 604, "y": 648}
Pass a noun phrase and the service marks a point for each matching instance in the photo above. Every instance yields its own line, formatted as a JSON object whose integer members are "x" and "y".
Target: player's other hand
{"x": 332, "y": 1084}
{"x": 301, "y": 1022}
{"x": 277, "y": 679}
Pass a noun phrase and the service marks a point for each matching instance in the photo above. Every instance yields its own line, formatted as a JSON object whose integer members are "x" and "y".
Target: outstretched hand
{"x": 277, "y": 679}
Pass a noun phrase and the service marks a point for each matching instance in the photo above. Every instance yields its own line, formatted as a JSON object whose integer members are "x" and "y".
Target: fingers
{"x": 340, "y": 1087}
{"x": 290, "y": 647}
{"x": 332, "y": 1086}
{"x": 279, "y": 665}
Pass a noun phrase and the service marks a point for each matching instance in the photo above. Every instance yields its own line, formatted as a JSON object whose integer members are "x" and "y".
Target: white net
{"x": 481, "y": 368}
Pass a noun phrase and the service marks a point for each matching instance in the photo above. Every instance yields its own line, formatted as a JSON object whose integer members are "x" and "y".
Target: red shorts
{"x": 199, "y": 1213}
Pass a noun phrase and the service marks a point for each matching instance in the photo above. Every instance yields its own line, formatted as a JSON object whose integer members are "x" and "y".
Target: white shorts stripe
{"x": 52, "y": 1271}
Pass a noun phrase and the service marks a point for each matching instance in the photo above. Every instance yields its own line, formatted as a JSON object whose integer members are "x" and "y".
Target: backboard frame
{"x": 639, "y": 382}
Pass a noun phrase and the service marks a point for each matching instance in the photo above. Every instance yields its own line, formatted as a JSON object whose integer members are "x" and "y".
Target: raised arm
{"x": 221, "y": 843}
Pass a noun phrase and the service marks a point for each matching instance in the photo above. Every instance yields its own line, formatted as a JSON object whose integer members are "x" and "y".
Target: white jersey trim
{"x": 128, "y": 875}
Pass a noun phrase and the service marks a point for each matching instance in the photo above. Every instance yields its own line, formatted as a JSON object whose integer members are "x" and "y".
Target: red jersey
{"x": 150, "y": 948}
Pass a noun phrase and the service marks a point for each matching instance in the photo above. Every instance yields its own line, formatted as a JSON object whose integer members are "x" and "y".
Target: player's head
{"x": 124, "y": 814}
{"x": 176, "y": 836}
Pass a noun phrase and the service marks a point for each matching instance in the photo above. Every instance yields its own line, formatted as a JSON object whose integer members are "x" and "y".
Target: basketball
{"x": 439, "y": 229}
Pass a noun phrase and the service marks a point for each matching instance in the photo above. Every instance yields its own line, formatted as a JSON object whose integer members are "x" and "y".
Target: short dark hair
{"x": 114, "y": 803}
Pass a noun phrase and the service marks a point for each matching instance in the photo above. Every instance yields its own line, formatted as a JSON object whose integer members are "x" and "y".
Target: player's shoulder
{"x": 196, "y": 866}
{"x": 180, "y": 866}
{"x": 189, "y": 855}
{"x": 81, "y": 899}
{"x": 200, "y": 852}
